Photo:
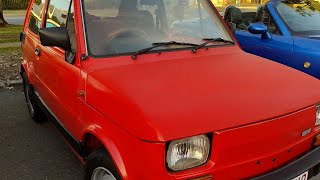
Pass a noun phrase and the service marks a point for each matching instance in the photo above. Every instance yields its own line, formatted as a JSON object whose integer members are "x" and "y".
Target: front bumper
{"x": 309, "y": 162}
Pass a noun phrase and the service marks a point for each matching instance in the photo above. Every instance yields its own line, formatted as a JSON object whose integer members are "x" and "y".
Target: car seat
{"x": 146, "y": 21}
{"x": 127, "y": 9}
{"x": 234, "y": 15}
{"x": 261, "y": 15}
{"x": 227, "y": 14}
{"x": 249, "y": 17}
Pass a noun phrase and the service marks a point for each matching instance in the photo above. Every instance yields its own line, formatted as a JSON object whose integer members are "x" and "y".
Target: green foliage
{"x": 16, "y": 4}
{"x": 38, "y": 2}
{"x": 11, "y": 50}
{"x": 315, "y": 5}
{"x": 10, "y": 33}
{"x": 11, "y": 29}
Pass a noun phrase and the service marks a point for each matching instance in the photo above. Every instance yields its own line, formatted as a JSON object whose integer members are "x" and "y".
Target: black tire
{"x": 34, "y": 110}
{"x": 97, "y": 159}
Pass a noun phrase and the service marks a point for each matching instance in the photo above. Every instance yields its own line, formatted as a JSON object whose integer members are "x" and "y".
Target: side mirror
{"x": 56, "y": 36}
{"x": 259, "y": 28}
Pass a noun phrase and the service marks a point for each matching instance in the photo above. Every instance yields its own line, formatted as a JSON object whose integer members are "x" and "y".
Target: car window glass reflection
{"x": 57, "y": 13}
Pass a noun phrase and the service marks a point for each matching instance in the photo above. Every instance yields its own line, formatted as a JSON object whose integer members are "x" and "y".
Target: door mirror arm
{"x": 70, "y": 56}
{"x": 266, "y": 35}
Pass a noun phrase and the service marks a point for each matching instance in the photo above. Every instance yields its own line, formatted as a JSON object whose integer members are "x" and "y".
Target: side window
{"x": 36, "y": 15}
{"x": 273, "y": 28}
{"x": 71, "y": 28}
{"x": 60, "y": 14}
{"x": 264, "y": 17}
{"x": 57, "y": 13}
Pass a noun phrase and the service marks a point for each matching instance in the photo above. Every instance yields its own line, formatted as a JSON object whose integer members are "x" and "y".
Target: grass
{"x": 11, "y": 29}
{"x": 10, "y": 33}
{"x": 10, "y": 50}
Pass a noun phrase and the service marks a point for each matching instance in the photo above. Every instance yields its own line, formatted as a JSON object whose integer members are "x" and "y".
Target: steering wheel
{"x": 113, "y": 40}
{"x": 128, "y": 33}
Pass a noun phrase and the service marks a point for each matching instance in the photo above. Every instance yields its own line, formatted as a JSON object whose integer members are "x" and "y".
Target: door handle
{"x": 37, "y": 52}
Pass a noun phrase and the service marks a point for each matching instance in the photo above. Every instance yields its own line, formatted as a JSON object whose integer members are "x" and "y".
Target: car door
{"x": 58, "y": 79}
{"x": 307, "y": 55}
{"x": 277, "y": 48}
{"x": 31, "y": 38}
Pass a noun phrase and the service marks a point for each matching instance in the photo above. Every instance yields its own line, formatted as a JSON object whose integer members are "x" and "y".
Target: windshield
{"x": 116, "y": 27}
{"x": 301, "y": 17}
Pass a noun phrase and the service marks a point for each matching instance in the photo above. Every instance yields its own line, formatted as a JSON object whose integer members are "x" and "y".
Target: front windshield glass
{"x": 301, "y": 17}
{"x": 117, "y": 27}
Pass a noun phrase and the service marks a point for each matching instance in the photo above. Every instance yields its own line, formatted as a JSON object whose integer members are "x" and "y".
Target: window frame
{"x": 277, "y": 26}
{"x": 67, "y": 22}
{"x": 30, "y": 15}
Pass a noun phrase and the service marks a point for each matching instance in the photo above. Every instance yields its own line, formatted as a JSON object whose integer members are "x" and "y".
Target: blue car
{"x": 285, "y": 31}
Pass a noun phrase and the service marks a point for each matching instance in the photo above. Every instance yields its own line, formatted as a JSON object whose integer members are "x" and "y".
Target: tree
{"x": 2, "y": 21}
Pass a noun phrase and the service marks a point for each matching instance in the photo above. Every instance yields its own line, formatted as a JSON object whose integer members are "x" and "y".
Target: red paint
{"x": 256, "y": 109}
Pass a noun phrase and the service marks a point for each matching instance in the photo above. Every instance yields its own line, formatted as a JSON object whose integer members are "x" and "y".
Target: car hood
{"x": 170, "y": 99}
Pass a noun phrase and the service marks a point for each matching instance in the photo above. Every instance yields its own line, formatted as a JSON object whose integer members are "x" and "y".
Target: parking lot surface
{"x": 29, "y": 150}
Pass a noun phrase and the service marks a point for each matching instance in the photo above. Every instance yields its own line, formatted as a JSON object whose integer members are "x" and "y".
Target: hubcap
{"x": 30, "y": 106}
{"x": 101, "y": 173}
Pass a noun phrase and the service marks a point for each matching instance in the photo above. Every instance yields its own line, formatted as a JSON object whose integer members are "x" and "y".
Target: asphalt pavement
{"x": 15, "y": 17}
{"x": 16, "y": 20}
{"x": 29, "y": 150}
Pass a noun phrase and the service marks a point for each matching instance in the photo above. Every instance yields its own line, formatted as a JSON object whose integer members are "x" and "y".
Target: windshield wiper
{"x": 159, "y": 44}
{"x": 211, "y": 40}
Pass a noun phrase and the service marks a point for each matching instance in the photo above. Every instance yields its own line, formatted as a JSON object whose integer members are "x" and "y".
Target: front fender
{"x": 24, "y": 67}
{"x": 106, "y": 137}
{"x": 130, "y": 154}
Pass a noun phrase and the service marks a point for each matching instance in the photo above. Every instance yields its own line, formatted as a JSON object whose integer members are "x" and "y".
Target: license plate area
{"x": 303, "y": 176}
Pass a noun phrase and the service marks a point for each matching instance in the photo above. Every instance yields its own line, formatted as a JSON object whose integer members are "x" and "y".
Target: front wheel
{"x": 99, "y": 166}
{"x": 34, "y": 110}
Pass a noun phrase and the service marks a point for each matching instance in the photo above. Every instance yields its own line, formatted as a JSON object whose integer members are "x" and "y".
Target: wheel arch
{"x": 24, "y": 69}
{"x": 95, "y": 138}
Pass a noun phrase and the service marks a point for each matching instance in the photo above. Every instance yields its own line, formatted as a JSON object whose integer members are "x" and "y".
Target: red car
{"x": 137, "y": 98}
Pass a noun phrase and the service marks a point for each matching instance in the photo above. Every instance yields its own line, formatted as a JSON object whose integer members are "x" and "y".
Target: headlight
{"x": 188, "y": 152}
{"x": 318, "y": 115}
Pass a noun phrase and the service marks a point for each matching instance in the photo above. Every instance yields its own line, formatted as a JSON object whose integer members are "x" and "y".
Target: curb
{"x": 16, "y": 82}
{"x": 9, "y": 83}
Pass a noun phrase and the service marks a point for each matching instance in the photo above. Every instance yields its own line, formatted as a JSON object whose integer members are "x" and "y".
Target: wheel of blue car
{"x": 34, "y": 110}
{"x": 99, "y": 166}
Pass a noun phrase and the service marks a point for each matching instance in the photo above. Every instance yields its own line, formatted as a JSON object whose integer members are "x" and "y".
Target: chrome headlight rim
{"x": 210, "y": 138}
{"x": 317, "y": 123}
